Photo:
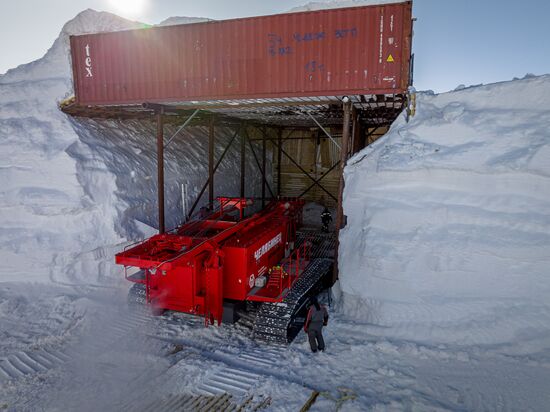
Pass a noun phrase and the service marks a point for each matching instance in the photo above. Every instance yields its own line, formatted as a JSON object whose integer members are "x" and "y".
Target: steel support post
{"x": 243, "y": 163}
{"x": 207, "y": 184}
{"x": 211, "y": 165}
{"x": 263, "y": 169}
{"x": 279, "y": 158}
{"x": 160, "y": 168}
{"x": 356, "y": 132}
{"x": 258, "y": 162}
{"x": 343, "y": 159}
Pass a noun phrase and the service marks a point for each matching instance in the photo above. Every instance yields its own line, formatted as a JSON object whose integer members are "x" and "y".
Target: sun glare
{"x": 128, "y": 8}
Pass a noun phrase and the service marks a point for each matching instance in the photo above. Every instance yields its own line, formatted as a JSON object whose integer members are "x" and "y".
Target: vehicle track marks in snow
{"x": 229, "y": 380}
{"x": 195, "y": 403}
{"x": 24, "y": 363}
{"x": 243, "y": 374}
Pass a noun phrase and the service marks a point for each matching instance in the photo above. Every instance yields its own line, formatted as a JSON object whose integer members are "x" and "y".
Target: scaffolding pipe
{"x": 243, "y": 163}
{"x": 258, "y": 162}
{"x": 207, "y": 184}
{"x": 324, "y": 130}
{"x": 211, "y": 165}
{"x": 182, "y": 127}
{"x": 160, "y": 168}
{"x": 184, "y": 201}
{"x": 263, "y": 170}
{"x": 279, "y": 158}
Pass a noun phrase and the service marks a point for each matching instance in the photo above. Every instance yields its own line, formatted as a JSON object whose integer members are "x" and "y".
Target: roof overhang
{"x": 289, "y": 111}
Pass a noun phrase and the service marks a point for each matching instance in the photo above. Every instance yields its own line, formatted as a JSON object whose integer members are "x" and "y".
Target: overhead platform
{"x": 378, "y": 110}
{"x": 302, "y": 134}
{"x": 309, "y": 89}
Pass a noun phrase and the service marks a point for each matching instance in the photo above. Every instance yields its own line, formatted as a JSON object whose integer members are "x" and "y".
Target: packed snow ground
{"x": 115, "y": 359}
{"x": 445, "y": 297}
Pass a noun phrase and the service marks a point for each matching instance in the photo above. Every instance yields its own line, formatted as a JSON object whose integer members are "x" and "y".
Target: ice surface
{"x": 448, "y": 235}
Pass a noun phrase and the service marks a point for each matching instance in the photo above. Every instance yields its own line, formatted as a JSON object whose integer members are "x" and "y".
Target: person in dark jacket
{"x": 317, "y": 317}
{"x": 326, "y": 218}
{"x": 204, "y": 212}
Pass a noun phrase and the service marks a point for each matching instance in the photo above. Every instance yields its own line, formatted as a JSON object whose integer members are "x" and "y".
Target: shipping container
{"x": 336, "y": 52}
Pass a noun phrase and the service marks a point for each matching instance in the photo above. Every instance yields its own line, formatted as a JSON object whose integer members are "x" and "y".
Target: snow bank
{"x": 335, "y": 4}
{"x": 44, "y": 210}
{"x": 74, "y": 190}
{"x": 172, "y": 21}
{"x": 56, "y": 62}
{"x": 448, "y": 234}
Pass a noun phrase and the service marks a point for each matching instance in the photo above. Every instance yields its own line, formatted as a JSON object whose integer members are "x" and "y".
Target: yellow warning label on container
{"x": 390, "y": 59}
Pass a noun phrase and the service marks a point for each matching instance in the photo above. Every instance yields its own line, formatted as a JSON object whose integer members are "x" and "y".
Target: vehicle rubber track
{"x": 322, "y": 244}
{"x": 280, "y": 322}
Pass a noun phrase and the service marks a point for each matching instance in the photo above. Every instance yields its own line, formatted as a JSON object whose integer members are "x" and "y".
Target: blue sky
{"x": 456, "y": 41}
{"x": 479, "y": 41}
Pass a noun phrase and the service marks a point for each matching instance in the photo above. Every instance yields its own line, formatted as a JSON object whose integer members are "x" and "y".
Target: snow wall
{"x": 73, "y": 191}
{"x": 448, "y": 231}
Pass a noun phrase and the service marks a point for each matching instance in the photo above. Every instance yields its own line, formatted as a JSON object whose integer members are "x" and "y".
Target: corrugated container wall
{"x": 358, "y": 50}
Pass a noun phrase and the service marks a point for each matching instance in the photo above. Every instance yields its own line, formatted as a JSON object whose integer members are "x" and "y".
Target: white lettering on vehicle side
{"x": 268, "y": 246}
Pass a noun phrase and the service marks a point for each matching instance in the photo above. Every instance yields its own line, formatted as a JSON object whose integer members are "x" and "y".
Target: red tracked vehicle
{"x": 209, "y": 265}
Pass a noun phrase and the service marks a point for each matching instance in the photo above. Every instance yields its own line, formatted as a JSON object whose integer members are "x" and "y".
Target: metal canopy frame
{"x": 354, "y": 115}
{"x": 278, "y": 112}
{"x": 212, "y": 169}
{"x": 315, "y": 181}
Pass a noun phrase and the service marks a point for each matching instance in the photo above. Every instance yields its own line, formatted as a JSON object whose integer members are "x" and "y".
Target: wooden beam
{"x": 309, "y": 403}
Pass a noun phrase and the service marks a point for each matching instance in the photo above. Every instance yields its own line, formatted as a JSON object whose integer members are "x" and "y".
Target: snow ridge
{"x": 448, "y": 234}
{"x": 175, "y": 20}
{"x": 331, "y": 4}
{"x": 56, "y": 62}
{"x": 74, "y": 190}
